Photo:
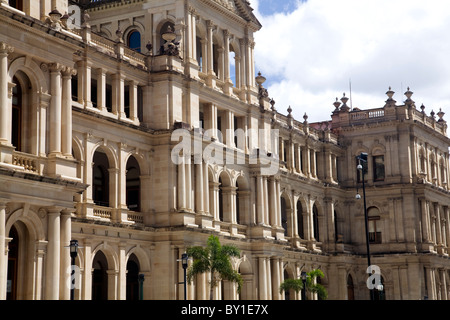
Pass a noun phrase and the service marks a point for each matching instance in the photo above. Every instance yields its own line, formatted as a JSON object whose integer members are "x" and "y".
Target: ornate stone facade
{"x": 93, "y": 104}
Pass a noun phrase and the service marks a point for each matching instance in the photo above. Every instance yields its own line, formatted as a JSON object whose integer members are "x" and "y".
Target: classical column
{"x": 133, "y": 85}
{"x": 66, "y": 235}
{"x": 276, "y": 279}
{"x": 3, "y": 255}
{"x": 262, "y": 276}
{"x": 55, "y": 109}
{"x": 210, "y": 53}
{"x": 205, "y": 190}
{"x": 52, "y": 272}
{"x": 188, "y": 185}
{"x": 259, "y": 200}
{"x": 226, "y": 38}
{"x": 181, "y": 184}
{"x": 101, "y": 89}
{"x": 273, "y": 203}
{"x": 5, "y": 121}
{"x": 425, "y": 220}
{"x": 199, "y": 190}
{"x": 243, "y": 64}
{"x": 66, "y": 113}
{"x": 266, "y": 201}
{"x": 122, "y": 273}
{"x": 118, "y": 99}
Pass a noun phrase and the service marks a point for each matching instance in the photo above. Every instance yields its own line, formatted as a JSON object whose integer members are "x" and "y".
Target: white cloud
{"x": 309, "y": 55}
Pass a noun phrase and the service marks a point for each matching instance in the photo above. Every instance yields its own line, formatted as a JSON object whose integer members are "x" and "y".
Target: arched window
{"x": 133, "y": 185}
{"x": 350, "y": 288}
{"x": 378, "y": 168}
{"x": 100, "y": 192}
{"x": 134, "y": 40}
{"x": 373, "y": 214}
{"x": 133, "y": 278}
{"x": 316, "y": 222}
{"x": 13, "y": 266}
{"x": 99, "y": 277}
{"x": 301, "y": 233}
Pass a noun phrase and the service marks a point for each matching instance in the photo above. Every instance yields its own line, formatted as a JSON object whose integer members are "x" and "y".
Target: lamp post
{"x": 363, "y": 158}
{"x": 184, "y": 263}
{"x": 73, "y": 254}
{"x": 303, "y": 275}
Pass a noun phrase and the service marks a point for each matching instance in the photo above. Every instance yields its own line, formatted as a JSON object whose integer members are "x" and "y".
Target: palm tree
{"x": 311, "y": 284}
{"x": 215, "y": 259}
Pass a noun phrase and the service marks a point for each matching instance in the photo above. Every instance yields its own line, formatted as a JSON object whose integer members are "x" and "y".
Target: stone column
{"x": 276, "y": 279}
{"x": 5, "y": 121}
{"x": 205, "y": 188}
{"x": 52, "y": 272}
{"x": 66, "y": 235}
{"x": 66, "y": 113}
{"x": 199, "y": 189}
{"x": 262, "y": 275}
{"x": 101, "y": 89}
{"x": 425, "y": 220}
{"x": 266, "y": 201}
{"x": 122, "y": 274}
{"x": 3, "y": 255}
{"x": 259, "y": 200}
{"x": 55, "y": 109}
{"x": 181, "y": 184}
{"x": 210, "y": 53}
{"x": 133, "y": 100}
{"x": 226, "y": 38}
{"x": 243, "y": 64}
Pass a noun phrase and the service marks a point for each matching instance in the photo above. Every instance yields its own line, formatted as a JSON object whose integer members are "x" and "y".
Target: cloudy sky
{"x": 311, "y": 50}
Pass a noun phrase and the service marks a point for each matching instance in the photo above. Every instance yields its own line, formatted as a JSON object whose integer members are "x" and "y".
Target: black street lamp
{"x": 184, "y": 263}
{"x": 362, "y": 158}
{"x": 73, "y": 254}
{"x": 303, "y": 275}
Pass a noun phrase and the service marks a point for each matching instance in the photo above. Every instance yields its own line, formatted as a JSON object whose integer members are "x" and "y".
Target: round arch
{"x": 37, "y": 78}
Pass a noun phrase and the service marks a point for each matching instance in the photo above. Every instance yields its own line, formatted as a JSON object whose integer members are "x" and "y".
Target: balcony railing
{"x": 27, "y": 161}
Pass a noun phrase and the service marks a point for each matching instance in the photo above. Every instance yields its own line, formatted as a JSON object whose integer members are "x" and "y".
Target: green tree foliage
{"x": 215, "y": 259}
{"x": 311, "y": 284}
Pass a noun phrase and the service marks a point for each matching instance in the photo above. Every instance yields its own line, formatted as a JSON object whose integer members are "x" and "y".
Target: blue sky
{"x": 310, "y": 51}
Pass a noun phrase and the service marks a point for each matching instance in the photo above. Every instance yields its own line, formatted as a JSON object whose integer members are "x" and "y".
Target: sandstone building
{"x": 96, "y": 95}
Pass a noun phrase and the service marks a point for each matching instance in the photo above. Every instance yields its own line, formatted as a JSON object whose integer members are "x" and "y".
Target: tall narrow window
{"x": 374, "y": 225}
{"x": 284, "y": 219}
{"x": 100, "y": 192}
{"x": 359, "y": 172}
{"x": 134, "y": 41}
{"x": 378, "y": 168}
{"x": 300, "y": 220}
{"x": 133, "y": 185}
{"x": 316, "y": 222}
{"x": 16, "y": 115}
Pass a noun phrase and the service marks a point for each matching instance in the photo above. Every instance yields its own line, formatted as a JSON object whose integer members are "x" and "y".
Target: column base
{"x": 61, "y": 166}
{"x": 6, "y": 152}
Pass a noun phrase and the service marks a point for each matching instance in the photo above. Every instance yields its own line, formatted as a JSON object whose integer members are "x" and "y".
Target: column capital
{"x": 68, "y": 71}
{"x": 56, "y": 67}
{"x": 6, "y": 48}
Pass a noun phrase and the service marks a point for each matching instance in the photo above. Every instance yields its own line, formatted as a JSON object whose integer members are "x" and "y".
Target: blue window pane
{"x": 134, "y": 41}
